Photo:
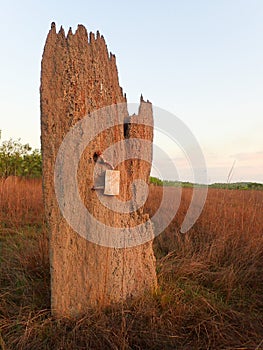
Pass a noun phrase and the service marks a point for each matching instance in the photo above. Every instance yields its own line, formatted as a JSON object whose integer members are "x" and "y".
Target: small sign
{"x": 112, "y": 183}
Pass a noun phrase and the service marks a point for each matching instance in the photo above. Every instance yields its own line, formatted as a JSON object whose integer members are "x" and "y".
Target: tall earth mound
{"x": 79, "y": 77}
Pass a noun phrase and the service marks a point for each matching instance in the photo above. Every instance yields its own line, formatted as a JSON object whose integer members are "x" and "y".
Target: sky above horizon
{"x": 200, "y": 60}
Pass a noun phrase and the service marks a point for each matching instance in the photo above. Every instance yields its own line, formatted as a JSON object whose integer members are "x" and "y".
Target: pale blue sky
{"x": 201, "y": 60}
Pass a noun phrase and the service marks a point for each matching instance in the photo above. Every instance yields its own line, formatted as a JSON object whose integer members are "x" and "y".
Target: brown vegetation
{"x": 21, "y": 202}
{"x": 210, "y": 293}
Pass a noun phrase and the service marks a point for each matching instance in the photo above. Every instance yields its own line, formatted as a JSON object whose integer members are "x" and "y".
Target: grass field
{"x": 210, "y": 293}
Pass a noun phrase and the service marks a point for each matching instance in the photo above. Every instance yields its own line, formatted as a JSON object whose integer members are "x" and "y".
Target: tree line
{"x": 17, "y": 159}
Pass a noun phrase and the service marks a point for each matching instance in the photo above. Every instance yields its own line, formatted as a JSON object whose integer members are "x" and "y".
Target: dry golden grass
{"x": 21, "y": 201}
{"x": 210, "y": 293}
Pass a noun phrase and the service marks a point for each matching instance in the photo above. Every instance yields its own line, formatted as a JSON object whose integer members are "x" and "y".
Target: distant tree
{"x": 156, "y": 181}
{"x": 19, "y": 159}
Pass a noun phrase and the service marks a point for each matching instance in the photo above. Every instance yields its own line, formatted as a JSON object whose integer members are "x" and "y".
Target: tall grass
{"x": 21, "y": 201}
{"x": 210, "y": 293}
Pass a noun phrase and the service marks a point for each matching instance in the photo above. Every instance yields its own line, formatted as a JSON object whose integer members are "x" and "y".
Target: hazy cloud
{"x": 249, "y": 156}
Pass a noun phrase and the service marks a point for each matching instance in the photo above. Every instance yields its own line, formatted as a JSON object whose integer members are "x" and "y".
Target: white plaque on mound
{"x": 112, "y": 183}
